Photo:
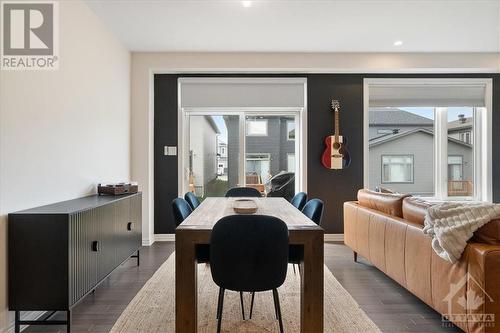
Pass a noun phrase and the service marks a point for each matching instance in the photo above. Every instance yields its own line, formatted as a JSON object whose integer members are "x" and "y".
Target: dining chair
{"x": 249, "y": 253}
{"x": 192, "y": 200}
{"x": 182, "y": 210}
{"x": 299, "y": 200}
{"x": 242, "y": 192}
{"x": 313, "y": 209}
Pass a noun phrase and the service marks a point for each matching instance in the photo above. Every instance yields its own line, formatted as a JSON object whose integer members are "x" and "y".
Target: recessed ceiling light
{"x": 246, "y": 4}
{"x": 398, "y": 43}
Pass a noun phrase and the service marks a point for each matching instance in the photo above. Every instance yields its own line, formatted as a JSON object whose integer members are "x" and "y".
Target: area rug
{"x": 153, "y": 308}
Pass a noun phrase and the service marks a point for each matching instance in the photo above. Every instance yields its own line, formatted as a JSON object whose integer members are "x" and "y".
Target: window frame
{"x": 481, "y": 136}
{"x": 397, "y": 155}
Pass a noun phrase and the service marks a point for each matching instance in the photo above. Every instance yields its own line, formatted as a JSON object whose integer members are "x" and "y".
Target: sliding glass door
{"x": 254, "y": 148}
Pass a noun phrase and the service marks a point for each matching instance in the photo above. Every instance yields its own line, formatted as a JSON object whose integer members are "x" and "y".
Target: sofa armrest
{"x": 483, "y": 281}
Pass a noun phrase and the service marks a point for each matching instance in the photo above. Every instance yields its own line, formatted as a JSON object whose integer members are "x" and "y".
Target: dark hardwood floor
{"x": 389, "y": 305}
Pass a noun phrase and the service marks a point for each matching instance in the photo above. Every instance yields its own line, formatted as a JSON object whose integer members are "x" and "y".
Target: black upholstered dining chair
{"x": 249, "y": 253}
{"x": 192, "y": 200}
{"x": 313, "y": 209}
{"x": 182, "y": 210}
{"x": 299, "y": 200}
{"x": 243, "y": 192}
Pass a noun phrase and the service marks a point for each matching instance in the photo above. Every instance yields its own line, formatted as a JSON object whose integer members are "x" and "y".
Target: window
{"x": 465, "y": 137}
{"x": 256, "y": 127}
{"x": 455, "y": 168}
{"x": 290, "y": 130}
{"x": 445, "y": 124}
{"x": 397, "y": 169}
{"x": 258, "y": 168}
{"x": 291, "y": 162}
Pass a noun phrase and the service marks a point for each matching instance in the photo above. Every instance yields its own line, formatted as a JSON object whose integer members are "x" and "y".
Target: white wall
{"x": 145, "y": 63}
{"x": 63, "y": 131}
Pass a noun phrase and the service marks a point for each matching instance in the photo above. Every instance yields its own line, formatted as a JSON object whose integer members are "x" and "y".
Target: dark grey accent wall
{"x": 333, "y": 187}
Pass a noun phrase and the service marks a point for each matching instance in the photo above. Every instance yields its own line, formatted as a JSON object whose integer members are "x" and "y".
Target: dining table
{"x": 196, "y": 229}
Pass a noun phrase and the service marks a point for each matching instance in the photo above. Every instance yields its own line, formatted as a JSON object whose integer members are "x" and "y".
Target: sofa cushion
{"x": 414, "y": 209}
{"x": 388, "y": 203}
{"x": 488, "y": 233}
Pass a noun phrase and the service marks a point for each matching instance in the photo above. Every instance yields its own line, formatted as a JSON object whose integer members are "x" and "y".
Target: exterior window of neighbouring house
{"x": 455, "y": 168}
{"x": 465, "y": 137}
{"x": 256, "y": 127}
{"x": 397, "y": 169}
{"x": 291, "y": 162}
{"x": 290, "y": 130}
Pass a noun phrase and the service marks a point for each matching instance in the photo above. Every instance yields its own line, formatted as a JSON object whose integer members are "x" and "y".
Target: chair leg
{"x": 278, "y": 308}
{"x": 242, "y": 306}
{"x": 355, "y": 256}
{"x": 218, "y": 304}
{"x": 251, "y": 305}
{"x": 220, "y": 308}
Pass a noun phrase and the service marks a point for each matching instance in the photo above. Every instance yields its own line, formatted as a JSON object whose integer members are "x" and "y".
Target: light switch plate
{"x": 170, "y": 151}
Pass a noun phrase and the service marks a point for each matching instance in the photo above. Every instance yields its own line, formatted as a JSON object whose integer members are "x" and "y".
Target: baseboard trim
{"x": 171, "y": 238}
{"x": 164, "y": 238}
{"x": 334, "y": 237}
{"x": 147, "y": 242}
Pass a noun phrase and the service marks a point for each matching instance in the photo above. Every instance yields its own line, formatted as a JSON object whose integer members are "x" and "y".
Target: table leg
{"x": 312, "y": 285}
{"x": 186, "y": 317}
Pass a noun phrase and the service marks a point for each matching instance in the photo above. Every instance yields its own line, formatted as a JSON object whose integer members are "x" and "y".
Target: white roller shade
{"x": 242, "y": 92}
{"x": 431, "y": 95}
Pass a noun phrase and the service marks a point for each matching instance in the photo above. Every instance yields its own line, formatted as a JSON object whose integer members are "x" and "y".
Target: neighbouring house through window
{"x": 290, "y": 130}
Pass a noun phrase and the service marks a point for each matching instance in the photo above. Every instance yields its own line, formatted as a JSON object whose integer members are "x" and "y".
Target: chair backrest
{"x": 314, "y": 210}
{"x": 192, "y": 200}
{"x": 299, "y": 200}
{"x": 181, "y": 210}
{"x": 249, "y": 252}
{"x": 243, "y": 192}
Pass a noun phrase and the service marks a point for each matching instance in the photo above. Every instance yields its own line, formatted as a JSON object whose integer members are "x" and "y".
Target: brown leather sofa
{"x": 386, "y": 229}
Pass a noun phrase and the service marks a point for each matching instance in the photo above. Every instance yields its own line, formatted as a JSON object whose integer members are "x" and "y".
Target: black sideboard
{"x": 59, "y": 253}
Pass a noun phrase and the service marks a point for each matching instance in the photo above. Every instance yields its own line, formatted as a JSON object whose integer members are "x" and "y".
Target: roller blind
{"x": 431, "y": 95}
{"x": 242, "y": 92}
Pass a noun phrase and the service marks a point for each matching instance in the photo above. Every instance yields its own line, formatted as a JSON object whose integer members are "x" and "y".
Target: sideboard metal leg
{"x": 68, "y": 320}
{"x": 17, "y": 325}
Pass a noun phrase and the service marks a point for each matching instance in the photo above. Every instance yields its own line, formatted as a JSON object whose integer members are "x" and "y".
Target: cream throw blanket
{"x": 451, "y": 225}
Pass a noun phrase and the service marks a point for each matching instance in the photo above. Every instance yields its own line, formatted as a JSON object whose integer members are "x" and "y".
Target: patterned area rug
{"x": 153, "y": 308}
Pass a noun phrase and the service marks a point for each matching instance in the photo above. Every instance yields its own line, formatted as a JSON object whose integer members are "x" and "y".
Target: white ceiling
{"x": 304, "y": 26}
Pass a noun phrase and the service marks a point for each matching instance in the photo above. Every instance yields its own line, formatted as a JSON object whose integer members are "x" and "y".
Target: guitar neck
{"x": 336, "y": 125}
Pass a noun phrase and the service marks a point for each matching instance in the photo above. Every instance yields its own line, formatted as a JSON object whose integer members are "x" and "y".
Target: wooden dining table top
{"x": 212, "y": 209}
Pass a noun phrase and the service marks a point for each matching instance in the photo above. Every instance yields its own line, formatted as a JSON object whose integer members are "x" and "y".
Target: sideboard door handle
{"x": 96, "y": 247}
{"x": 130, "y": 226}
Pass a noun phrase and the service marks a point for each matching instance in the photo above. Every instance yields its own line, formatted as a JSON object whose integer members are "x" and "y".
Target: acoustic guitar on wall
{"x": 336, "y": 156}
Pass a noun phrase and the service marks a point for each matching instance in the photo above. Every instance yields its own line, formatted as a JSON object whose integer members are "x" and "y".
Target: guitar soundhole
{"x": 336, "y": 145}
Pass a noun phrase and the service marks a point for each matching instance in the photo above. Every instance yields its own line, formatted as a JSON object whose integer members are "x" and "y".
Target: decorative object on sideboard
{"x": 117, "y": 188}
{"x": 336, "y": 156}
